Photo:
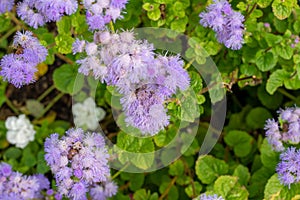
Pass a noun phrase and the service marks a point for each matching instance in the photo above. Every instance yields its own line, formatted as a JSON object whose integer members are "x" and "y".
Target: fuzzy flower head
{"x": 227, "y": 23}
{"x": 286, "y": 130}
{"x": 79, "y": 162}
{"x": 209, "y": 197}
{"x": 19, "y": 68}
{"x": 14, "y": 185}
{"x": 6, "y": 5}
{"x": 37, "y": 13}
{"x": 145, "y": 79}
{"x": 87, "y": 114}
{"x": 19, "y": 131}
{"x": 101, "y": 12}
{"x": 288, "y": 168}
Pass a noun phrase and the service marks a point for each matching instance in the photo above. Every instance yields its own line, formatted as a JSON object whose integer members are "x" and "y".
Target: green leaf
{"x": 272, "y": 39}
{"x": 176, "y": 168}
{"x": 263, "y": 3}
{"x": 34, "y": 107}
{"x": 42, "y": 166}
{"x": 67, "y": 79}
{"x": 139, "y": 146}
{"x": 283, "y": 9}
{"x": 2, "y": 92}
{"x": 12, "y": 153}
{"x": 276, "y": 191}
{"x": 243, "y": 173}
{"x": 196, "y": 81}
{"x": 292, "y": 83}
{"x": 296, "y": 26}
{"x": 64, "y": 25}
{"x": 179, "y": 24}
{"x": 136, "y": 181}
{"x": 284, "y": 50}
{"x": 229, "y": 188}
{"x": 142, "y": 194}
{"x": 257, "y": 116}
{"x": 265, "y": 61}
{"x": 164, "y": 137}
{"x": 189, "y": 107}
{"x": 173, "y": 191}
{"x": 258, "y": 181}
{"x": 208, "y": 168}
{"x": 276, "y": 80}
{"x": 64, "y": 43}
{"x": 190, "y": 191}
{"x": 269, "y": 101}
{"x": 269, "y": 157}
{"x": 28, "y": 158}
{"x": 241, "y": 142}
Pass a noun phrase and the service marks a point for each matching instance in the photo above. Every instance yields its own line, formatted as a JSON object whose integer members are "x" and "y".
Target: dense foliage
{"x": 149, "y": 99}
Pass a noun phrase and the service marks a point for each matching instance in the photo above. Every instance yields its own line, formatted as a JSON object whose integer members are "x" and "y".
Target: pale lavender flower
{"x": 286, "y": 131}
{"x": 78, "y": 46}
{"x": 227, "y": 24}
{"x": 19, "y": 68}
{"x": 6, "y": 5}
{"x": 14, "y": 185}
{"x": 145, "y": 79}
{"x": 210, "y": 197}
{"x": 101, "y": 12}
{"x": 79, "y": 161}
{"x": 273, "y": 135}
{"x": 288, "y": 168}
{"x": 27, "y": 12}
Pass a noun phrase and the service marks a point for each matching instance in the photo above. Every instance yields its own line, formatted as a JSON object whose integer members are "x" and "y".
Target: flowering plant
{"x": 152, "y": 99}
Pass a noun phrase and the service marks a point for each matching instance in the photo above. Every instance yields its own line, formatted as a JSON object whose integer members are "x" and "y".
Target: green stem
{"x": 9, "y": 33}
{"x": 52, "y": 103}
{"x": 42, "y": 96}
{"x": 120, "y": 171}
{"x": 189, "y": 64}
{"x": 11, "y": 106}
{"x": 111, "y": 26}
{"x": 64, "y": 58}
{"x": 249, "y": 13}
{"x": 285, "y": 93}
{"x": 165, "y": 193}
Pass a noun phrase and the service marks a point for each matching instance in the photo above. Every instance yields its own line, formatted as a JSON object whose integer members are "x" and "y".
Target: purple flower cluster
{"x": 19, "y": 68}
{"x": 145, "y": 79}
{"x": 37, "y": 12}
{"x": 79, "y": 162}
{"x": 101, "y": 12}
{"x": 210, "y": 197}
{"x": 284, "y": 131}
{"x": 6, "y": 5}
{"x": 227, "y": 23}
{"x": 288, "y": 168}
{"x": 15, "y": 186}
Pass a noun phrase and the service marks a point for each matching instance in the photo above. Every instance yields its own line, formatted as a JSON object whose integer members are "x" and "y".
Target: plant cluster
{"x": 150, "y": 99}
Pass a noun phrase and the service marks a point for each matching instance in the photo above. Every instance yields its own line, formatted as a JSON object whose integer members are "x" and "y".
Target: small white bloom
{"x": 87, "y": 114}
{"x": 20, "y": 131}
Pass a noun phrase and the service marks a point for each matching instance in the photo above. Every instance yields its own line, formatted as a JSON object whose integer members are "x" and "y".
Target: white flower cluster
{"x": 20, "y": 131}
{"x": 87, "y": 115}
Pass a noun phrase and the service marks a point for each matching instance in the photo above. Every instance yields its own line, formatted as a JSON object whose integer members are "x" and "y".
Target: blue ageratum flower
{"x": 79, "y": 162}
{"x": 14, "y": 185}
{"x": 227, "y": 23}
{"x": 101, "y": 12}
{"x": 210, "y": 197}
{"x": 288, "y": 168}
{"x": 145, "y": 79}
{"x": 6, "y": 5}
{"x": 285, "y": 130}
{"x": 37, "y": 12}
{"x": 19, "y": 68}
